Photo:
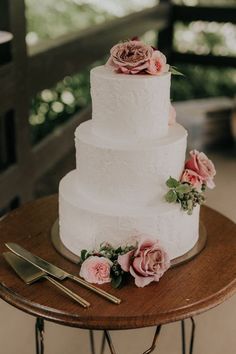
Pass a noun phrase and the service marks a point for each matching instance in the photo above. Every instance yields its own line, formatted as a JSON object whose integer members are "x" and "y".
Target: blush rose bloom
{"x": 130, "y": 57}
{"x": 157, "y": 64}
{"x": 203, "y": 166}
{"x": 96, "y": 270}
{"x": 147, "y": 263}
{"x": 172, "y": 115}
{"x": 193, "y": 178}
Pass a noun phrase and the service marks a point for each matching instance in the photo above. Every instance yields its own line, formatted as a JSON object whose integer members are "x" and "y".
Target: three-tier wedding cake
{"x": 124, "y": 156}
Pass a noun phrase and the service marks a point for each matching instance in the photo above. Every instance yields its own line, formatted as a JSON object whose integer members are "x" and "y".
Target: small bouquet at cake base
{"x": 143, "y": 258}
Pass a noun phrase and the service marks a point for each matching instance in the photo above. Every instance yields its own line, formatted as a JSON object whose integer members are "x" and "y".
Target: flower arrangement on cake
{"x": 135, "y": 57}
{"x": 189, "y": 191}
{"x": 144, "y": 259}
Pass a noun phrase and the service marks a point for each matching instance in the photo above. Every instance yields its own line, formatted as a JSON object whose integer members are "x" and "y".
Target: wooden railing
{"x": 24, "y": 72}
{"x": 42, "y": 66}
{"x": 202, "y": 13}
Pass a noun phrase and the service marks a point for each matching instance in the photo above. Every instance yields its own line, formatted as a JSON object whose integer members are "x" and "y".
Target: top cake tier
{"x": 129, "y": 107}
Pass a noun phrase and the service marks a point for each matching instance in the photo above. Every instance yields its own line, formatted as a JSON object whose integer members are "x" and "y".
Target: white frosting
{"x": 129, "y": 107}
{"x": 128, "y": 173}
{"x": 86, "y": 224}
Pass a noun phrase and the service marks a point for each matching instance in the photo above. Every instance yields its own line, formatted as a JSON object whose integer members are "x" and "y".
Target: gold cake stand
{"x": 65, "y": 252}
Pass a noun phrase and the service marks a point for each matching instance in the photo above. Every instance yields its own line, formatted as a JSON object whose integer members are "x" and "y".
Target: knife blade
{"x": 30, "y": 274}
{"x": 56, "y": 271}
{"x": 36, "y": 261}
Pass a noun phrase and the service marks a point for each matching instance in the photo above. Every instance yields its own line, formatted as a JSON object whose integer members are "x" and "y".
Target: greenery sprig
{"x": 107, "y": 251}
{"x": 175, "y": 71}
{"x": 185, "y": 194}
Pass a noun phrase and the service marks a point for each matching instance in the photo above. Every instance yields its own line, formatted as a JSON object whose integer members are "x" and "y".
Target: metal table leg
{"x": 192, "y": 337}
{"x": 39, "y": 338}
{"x": 153, "y": 346}
{"x": 39, "y": 335}
{"x": 92, "y": 343}
{"x": 107, "y": 337}
{"x": 109, "y": 342}
{"x": 183, "y": 337}
{"x": 103, "y": 343}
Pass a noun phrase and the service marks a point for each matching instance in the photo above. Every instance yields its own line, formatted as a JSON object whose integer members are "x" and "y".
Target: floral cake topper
{"x": 144, "y": 259}
{"x": 135, "y": 57}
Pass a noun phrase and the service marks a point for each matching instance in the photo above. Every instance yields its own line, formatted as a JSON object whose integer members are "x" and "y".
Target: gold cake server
{"x": 30, "y": 274}
{"x": 56, "y": 271}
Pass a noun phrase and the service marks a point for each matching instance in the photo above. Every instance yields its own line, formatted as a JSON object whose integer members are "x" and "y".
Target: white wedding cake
{"x": 124, "y": 156}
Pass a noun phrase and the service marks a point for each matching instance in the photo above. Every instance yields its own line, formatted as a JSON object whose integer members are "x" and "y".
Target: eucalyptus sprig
{"x": 184, "y": 194}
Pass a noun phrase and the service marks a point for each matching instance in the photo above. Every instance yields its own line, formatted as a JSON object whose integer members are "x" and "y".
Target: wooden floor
{"x": 215, "y": 331}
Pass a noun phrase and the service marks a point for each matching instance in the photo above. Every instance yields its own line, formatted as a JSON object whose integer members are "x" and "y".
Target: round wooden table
{"x": 183, "y": 292}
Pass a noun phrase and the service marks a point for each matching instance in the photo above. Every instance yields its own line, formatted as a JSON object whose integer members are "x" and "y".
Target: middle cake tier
{"x": 134, "y": 174}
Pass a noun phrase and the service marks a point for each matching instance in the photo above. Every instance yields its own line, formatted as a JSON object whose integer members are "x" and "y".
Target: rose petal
{"x": 139, "y": 280}
{"x": 124, "y": 260}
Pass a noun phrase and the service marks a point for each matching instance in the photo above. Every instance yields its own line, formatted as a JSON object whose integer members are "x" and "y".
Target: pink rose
{"x": 157, "y": 64}
{"x": 172, "y": 115}
{"x": 130, "y": 57}
{"x": 96, "y": 270}
{"x": 147, "y": 263}
{"x": 203, "y": 166}
{"x": 193, "y": 178}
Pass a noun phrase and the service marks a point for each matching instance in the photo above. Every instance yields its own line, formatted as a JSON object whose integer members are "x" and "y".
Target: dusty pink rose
{"x": 203, "y": 166}
{"x": 193, "y": 178}
{"x": 157, "y": 64}
{"x": 147, "y": 263}
{"x": 130, "y": 57}
{"x": 96, "y": 270}
{"x": 172, "y": 115}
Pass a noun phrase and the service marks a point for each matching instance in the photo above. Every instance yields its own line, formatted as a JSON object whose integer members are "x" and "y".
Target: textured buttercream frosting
{"x": 86, "y": 223}
{"x": 129, "y": 107}
{"x": 120, "y": 173}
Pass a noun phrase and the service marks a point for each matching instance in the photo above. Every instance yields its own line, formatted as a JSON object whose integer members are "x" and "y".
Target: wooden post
{"x": 21, "y": 104}
{"x": 165, "y": 36}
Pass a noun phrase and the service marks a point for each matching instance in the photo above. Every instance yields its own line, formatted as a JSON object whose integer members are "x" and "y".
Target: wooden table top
{"x": 184, "y": 291}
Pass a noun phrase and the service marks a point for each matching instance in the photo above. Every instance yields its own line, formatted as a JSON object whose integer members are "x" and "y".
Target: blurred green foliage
{"x": 54, "y": 106}
{"x": 48, "y": 19}
{"x": 202, "y": 82}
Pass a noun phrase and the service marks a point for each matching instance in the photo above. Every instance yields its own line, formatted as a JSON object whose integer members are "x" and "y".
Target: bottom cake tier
{"x": 86, "y": 223}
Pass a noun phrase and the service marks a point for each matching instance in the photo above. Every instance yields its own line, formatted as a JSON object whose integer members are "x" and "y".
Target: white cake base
{"x": 84, "y": 223}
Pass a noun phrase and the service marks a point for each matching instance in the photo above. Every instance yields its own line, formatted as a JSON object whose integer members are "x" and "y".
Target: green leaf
{"x": 171, "y": 196}
{"x": 172, "y": 182}
{"x": 183, "y": 188}
{"x": 118, "y": 250}
{"x": 116, "y": 281}
{"x": 175, "y": 72}
{"x": 83, "y": 255}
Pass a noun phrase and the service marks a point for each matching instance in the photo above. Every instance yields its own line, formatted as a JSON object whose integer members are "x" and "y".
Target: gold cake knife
{"x": 30, "y": 274}
{"x": 56, "y": 271}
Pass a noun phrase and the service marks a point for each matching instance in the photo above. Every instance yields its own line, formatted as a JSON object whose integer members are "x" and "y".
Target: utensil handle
{"x": 68, "y": 292}
{"x": 96, "y": 290}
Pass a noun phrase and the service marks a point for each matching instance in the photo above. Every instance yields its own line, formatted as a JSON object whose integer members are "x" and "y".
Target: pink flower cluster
{"x": 147, "y": 263}
{"x": 199, "y": 171}
{"x": 135, "y": 57}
